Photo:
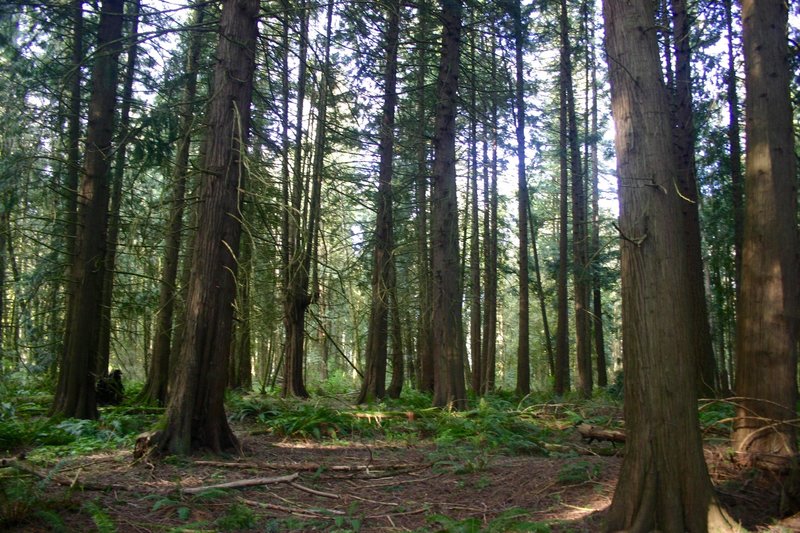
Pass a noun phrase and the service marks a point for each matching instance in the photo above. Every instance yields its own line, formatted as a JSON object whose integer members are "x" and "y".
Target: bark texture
{"x": 75, "y": 395}
{"x": 449, "y": 386}
{"x": 663, "y": 483}
{"x": 766, "y": 336}
{"x": 195, "y": 417}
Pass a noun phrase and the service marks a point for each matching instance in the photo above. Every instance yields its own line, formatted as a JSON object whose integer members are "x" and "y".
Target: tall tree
{"x": 75, "y": 395}
{"x": 523, "y": 346}
{"x": 583, "y": 352}
{"x": 474, "y": 246}
{"x": 683, "y": 137}
{"x": 663, "y": 482}
{"x": 155, "y": 389}
{"x": 766, "y": 334}
{"x": 296, "y": 276}
{"x": 425, "y": 362}
{"x": 373, "y": 386}
{"x": 449, "y": 386}
{"x": 195, "y": 416}
{"x": 117, "y": 177}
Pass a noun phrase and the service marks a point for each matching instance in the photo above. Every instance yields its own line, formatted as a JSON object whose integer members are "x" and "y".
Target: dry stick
{"x": 312, "y": 491}
{"x": 242, "y": 483}
{"x": 311, "y": 467}
{"x": 274, "y": 507}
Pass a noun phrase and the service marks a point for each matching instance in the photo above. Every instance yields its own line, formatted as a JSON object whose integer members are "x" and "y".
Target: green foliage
{"x": 237, "y": 517}
{"x": 490, "y": 426}
{"x": 578, "y": 472}
{"x": 311, "y": 421}
{"x": 510, "y": 520}
{"x": 717, "y": 414}
{"x": 101, "y": 519}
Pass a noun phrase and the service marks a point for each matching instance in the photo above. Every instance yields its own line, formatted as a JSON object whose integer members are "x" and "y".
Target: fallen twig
{"x": 313, "y": 491}
{"x": 242, "y": 483}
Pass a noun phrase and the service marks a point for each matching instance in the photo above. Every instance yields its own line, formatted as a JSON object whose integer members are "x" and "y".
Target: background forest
{"x": 342, "y": 172}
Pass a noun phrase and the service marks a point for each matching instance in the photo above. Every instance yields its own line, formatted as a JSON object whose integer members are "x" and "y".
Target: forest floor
{"x": 375, "y": 481}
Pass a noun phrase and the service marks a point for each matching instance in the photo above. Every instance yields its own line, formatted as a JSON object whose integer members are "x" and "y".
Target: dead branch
{"x": 242, "y": 483}
{"x": 590, "y": 433}
{"x": 309, "y": 490}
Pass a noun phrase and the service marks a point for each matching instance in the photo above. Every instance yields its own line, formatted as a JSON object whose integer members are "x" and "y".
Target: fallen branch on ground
{"x": 590, "y": 433}
{"x": 242, "y": 483}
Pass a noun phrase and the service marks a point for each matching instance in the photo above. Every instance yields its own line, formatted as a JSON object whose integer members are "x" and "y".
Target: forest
{"x": 399, "y": 265}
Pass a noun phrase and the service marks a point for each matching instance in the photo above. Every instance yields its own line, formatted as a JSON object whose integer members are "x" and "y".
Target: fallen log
{"x": 243, "y": 483}
{"x": 592, "y": 433}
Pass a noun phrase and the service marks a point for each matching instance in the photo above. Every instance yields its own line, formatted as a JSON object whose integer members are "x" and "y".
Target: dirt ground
{"x": 370, "y": 487}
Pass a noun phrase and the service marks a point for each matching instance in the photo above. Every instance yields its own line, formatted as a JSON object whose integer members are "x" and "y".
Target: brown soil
{"x": 373, "y": 486}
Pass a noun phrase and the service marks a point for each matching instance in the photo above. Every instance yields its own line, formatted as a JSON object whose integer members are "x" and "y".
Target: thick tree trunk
{"x": 373, "y": 387}
{"x": 449, "y": 386}
{"x": 75, "y": 395}
{"x": 195, "y": 417}
{"x": 766, "y": 336}
{"x": 683, "y": 137}
{"x": 474, "y": 247}
{"x": 523, "y": 347}
{"x": 396, "y": 385}
{"x": 155, "y": 389}
{"x": 663, "y": 484}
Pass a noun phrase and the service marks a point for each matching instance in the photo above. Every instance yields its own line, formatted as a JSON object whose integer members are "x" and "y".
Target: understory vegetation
{"x": 41, "y": 486}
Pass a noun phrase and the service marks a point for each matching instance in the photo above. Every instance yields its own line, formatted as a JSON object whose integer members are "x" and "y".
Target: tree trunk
{"x": 583, "y": 352}
{"x": 561, "y": 382}
{"x": 373, "y": 387}
{"x": 396, "y": 385}
{"x": 523, "y": 347}
{"x": 296, "y": 278}
{"x": 425, "y": 362}
{"x": 449, "y": 386}
{"x": 539, "y": 288}
{"x": 195, "y": 417}
{"x": 75, "y": 395}
{"x": 663, "y": 483}
{"x": 683, "y": 137}
{"x": 104, "y": 347}
{"x": 241, "y": 377}
{"x": 155, "y": 389}
{"x": 474, "y": 249}
{"x": 766, "y": 335}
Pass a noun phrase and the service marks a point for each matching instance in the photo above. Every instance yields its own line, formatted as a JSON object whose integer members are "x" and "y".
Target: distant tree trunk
{"x": 583, "y": 352}
{"x": 155, "y": 389}
{"x": 296, "y": 297}
{"x": 683, "y": 132}
{"x": 490, "y": 237}
{"x": 396, "y": 385}
{"x": 474, "y": 250}
{"x": 561, "y": 382}
{"x": 597, "y": 299}
{"x": 523, "y": 347}
{"x": 449, "y": 386}
{"x": 766, "y": 335}
{"x": 539, "y": 288}
{"x": 735, "y": 143}
{"x": 373, "y": 387}
{"x": 425, "y": 363}
{"x": 118, "y": 175}
{"x": 663, "y": 484}
{"x": 241, "y": 376}
{"x": 195, "y": 417}
{"x": 75, "y": 394}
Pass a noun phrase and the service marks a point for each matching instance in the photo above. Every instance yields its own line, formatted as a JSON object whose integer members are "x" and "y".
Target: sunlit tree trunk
{"x": 195, "y": 416}
{"x": 663, "y": 483}
{"x": 75, "y": 394}
{"x": 766, "y": 334}
{"x": 449, "y": 386}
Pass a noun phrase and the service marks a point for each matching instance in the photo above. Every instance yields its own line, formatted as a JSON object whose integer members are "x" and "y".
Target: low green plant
{"x": 578, "y": 472}
{"x": 510, "y": 520}
{"x": 237, "y": 517}
{"x": 102, "y": 521}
